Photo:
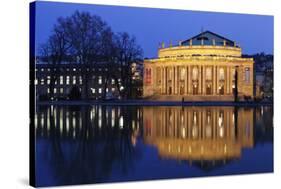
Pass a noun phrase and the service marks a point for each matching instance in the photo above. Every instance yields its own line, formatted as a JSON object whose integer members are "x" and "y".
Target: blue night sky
{"x": 254, "y": 33}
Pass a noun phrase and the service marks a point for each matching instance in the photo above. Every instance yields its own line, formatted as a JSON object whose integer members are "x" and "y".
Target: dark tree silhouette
{"x": 87, "y": 40}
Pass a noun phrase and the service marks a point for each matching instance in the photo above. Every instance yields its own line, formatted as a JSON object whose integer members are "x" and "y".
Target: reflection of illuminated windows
{"x": 100, "y": 80}
{"x": 80, "y": 80}
{"x": 121, "y": 122}
{"x": 221, "y": 132}
{"x": 74, "y": 80}
{"x": 194, "y": 132}
{"x": 195, "y": 73}
{"x": 183, "y": 133}
{"x": 55, "y": 90}
{"x": 182, "y": 119}
{"x": 221, "y": 74}
{"x": 220, "y": 121}
{"x": 208, "y": 117}
{"x": 208, "y": 131}
{"x": 93, "y": 90}
{"x": 112, "y": 117}
{"x": 194, "y": 118}
{"x": 100, "y": 90}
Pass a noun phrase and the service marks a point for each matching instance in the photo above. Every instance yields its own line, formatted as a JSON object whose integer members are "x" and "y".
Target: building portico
{"x": 205, "y": 71}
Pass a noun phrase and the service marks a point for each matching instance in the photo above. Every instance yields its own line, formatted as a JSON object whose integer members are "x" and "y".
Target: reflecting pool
{"x": 94, "y": 144}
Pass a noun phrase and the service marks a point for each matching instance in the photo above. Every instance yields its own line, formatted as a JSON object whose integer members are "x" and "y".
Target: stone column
{"x": 189, "y": 80}
{"x": 227, "y": 80}
{"x": 173, "y": 80}
{"x": 185, "y": 80}
{"x": 176, "y": 80}
{"x": 230, "y": 79}
{"x": 165, "y": 79}
{"x": 214, "y": 80}
{"x": 161, "y": 80}
{"x": 217, "y": 79}
{"x": 200, "y": 80}
{"x": 204, "y": 80}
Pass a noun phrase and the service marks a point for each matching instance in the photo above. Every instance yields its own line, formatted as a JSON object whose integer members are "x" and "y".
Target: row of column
{"x": 182, "y": 124}
{"x": 201, "y": 83}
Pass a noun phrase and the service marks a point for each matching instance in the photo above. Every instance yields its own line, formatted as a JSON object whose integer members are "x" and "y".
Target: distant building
{"x": 103, "y": 80}
{"x": 200, "y": 68}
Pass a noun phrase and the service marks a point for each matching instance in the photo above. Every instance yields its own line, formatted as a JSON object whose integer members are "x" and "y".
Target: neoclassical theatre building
{"x": 200, "y": 68}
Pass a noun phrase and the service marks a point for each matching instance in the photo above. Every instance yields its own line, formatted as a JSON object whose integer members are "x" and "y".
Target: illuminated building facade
{"x": 69, "y": 75}
{"x": 199, "y": 133}
{"x": 200, "y": 68}
{"x": 103, "y": 80}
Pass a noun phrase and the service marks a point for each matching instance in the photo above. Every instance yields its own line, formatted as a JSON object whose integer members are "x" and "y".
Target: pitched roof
{"x": 208, "y": 38}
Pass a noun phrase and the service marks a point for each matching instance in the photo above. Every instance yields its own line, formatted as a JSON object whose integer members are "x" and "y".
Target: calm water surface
{"x": 93, "y": 144}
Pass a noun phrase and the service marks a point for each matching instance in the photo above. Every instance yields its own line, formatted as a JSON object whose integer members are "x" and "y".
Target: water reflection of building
{"x": 200, "y": 68}
{"x": 198, "y": 133}
{"x": 87, "y": 122}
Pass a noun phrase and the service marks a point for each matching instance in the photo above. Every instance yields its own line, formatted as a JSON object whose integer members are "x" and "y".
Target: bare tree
{"x": 88, "y": 40}
{"x": 127, "y": 52}
{"x": 86, "y": 33}
{"x": 55, "y": 50}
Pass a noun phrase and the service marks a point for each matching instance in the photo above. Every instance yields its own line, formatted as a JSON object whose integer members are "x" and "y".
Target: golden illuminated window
{"x": 247, "y": 75}
{"x": 182, "y": 73}
{"x": 221, "y": 74}
{"x": 170, "y": 73}
{"x": 195, "y": 73}
{"x": 208, "y": 73}
{"x": 233, "y": 74}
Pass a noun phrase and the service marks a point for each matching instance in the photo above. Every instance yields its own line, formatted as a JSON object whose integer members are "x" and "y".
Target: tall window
{"x": 221, "y": 74}
{"x": 148, "y": 75}
{"x": 61, "y": 79}
{"x": 170, "y": 73}
{"x": 67, "y": 80}
{"x": 247, "y": 75}
{"x": 80, "y": 80}
{"x": 100, "y": 80}
{"x": 195, "y": 73}
{"x": 183, "y": 74}
{"x": 208, "y": 74}
{"x": 233, "y": 74}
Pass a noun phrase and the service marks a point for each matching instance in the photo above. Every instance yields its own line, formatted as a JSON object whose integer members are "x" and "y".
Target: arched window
{"x": 221, "y": 74}
{"x": 195, "y": 73}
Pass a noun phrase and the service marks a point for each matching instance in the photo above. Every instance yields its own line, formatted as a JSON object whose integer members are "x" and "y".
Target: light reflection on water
{"x": 91, "y": 144}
